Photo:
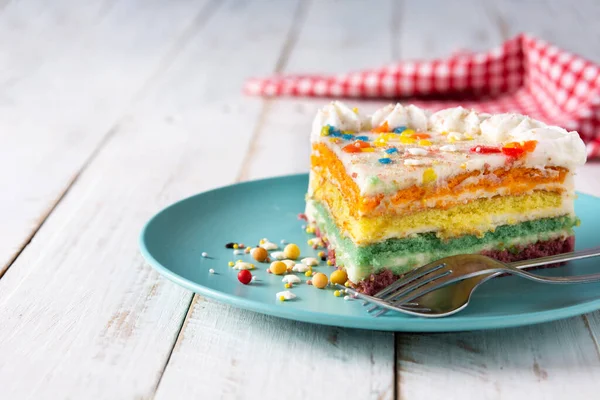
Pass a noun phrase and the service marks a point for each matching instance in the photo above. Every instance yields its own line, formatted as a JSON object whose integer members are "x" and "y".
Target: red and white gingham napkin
{"x": 524, "y": 75}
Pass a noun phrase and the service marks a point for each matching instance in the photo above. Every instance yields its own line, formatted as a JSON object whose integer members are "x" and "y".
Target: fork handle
{"x": 516, "y": 267}
{"x": 576, "y": 255}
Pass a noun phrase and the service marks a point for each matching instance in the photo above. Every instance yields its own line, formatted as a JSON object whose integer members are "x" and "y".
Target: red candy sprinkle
{"x": 513, "y": 151}
{"x": 485, "y": 150}
{"x": 517, "y": 149}
{"x": 244, "y": 276}
{"x": 351, "y": 148}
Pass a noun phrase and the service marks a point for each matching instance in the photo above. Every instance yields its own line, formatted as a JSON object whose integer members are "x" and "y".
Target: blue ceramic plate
{"x": 174, "y": 239}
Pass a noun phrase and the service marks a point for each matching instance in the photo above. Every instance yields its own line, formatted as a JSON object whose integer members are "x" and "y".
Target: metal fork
{"x": 408, "y": 294}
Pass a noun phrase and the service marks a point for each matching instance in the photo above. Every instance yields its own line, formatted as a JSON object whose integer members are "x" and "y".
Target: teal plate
{"x": 173, "y": 242}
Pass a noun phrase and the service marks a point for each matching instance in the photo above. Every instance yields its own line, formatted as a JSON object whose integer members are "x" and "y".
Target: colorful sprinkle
{"x": 337, "y": 293}
{"x": 231, "y": 263}
{"x": 385, "y": 160}
{"x": 425, "y": 142}
{"x": 363, "y": 138}
{"x": 382, "y": 128}
{"x": 392, "y": 150}
{"x": 347, "y": 136}
{"x": 204, "y": 254}
{"x": 244, "y": 276}
{"x": 485, "y": 150}
{"x": 429, "y": 175}
{"x": 211, "y": 271}
{"x": 399, "y": 129}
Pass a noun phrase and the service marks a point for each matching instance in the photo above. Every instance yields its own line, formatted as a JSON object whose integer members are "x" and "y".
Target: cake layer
{"x": 475, "y": 217}
{"x": 400, "y": 255}
{"x": 464, "y": 186}
{"x": 375, "y": 282}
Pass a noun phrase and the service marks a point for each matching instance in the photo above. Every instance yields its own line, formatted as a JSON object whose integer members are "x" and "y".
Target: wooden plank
{"x": 82, "y": 315}
{"x": 548, "y": 361}
{"x": 67, "y": 73}
{"x": 224, "y": 352}
{"x": 429, "y": 31}
{"x": 230, "y": 353}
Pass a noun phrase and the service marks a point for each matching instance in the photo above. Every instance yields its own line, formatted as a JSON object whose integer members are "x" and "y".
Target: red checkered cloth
{"x": 524, "y": 75}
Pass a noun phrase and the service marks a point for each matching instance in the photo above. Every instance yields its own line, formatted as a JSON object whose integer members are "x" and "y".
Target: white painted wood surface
{"x": 103, "y": 119}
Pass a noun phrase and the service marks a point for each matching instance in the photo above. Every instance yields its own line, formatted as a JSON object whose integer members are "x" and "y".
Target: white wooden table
{"x": 110, "y": 110}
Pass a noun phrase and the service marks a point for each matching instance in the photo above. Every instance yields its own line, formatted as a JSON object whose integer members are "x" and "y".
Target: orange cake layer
{"x": 513, "y": 181}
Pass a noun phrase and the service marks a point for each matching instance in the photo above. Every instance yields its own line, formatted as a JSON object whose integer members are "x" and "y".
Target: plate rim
{"x": 395, "y": 322}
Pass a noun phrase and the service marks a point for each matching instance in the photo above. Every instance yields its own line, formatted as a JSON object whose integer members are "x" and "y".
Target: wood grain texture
{"x": 437, "y": 30}
{"x": 116, "y": 100}
{"x": 228, "y": 353}
{"x": 548, "y": 361}
{"x": 223, "y": 352}
{"x": 83, "y": 315}
{"x": 68, "y": 71}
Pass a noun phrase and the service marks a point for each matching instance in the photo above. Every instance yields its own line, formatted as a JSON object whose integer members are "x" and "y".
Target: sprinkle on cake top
{"x": 400, "y": 146}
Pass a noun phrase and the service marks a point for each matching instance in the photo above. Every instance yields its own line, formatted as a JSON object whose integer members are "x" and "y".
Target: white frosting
{"x": 289, "y": 263}
{"x": 310, "y": 261}
{"x": 269, "y": 245}
{"x": 286, "y": 294}
{"x": 457, "y": 119}
{"x": 278, "y": 255}
{"x": 337, "y": 115}
{"x": 291, "y": 279}
{"x": 300, "y": 268}
{"x": 397, "y": 115}
{"x": 243, "y": 265}
{"x": 452, "y": 134}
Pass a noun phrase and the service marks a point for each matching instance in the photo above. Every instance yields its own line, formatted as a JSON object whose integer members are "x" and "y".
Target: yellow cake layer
{"x": 475, "y": 217}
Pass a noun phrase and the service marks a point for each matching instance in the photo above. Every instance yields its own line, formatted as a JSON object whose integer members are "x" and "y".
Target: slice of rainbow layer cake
{"x": 403, "y": 187}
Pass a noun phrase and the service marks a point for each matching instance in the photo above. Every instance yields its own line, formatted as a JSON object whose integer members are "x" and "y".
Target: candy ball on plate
{"x": 319, "y": 280}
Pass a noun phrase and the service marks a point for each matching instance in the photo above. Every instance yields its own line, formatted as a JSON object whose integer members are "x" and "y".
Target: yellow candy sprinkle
{"x": 262, "y": 241}
{"x": 334, "y": 140}
{"x": 239, "y": 261}
{"x": 463, "y": 166}
{"x": 347, "y": 132}
{"x": 235, "y": 246}
{"x": 424, "y": 142}
{"x": 443, "y": 133}
{"x": 407, "y": 132}
{"x": 468, "y": 137}
{"x": 287, "y": 286}
{"x": 429, "y": 175}
{"x": 325, "y": 131}
{"x": 321, "y": 254}
{"x": 407, "y": 140}
{"x": 451, "y": 140}
{"x": 367, "y": 150}
{"x": 337, "y": 293}
{"x": 281, "y": 298}
{"x": 329, "y": 263}
{"x": 308, "y": 273}
{"x": 347, "y": 284}
{"x": 231, "y": 263}
{"x": 355, "y": 109}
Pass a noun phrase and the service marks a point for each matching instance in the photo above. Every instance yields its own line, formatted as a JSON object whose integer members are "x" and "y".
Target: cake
{"x": 393, "y": 191}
